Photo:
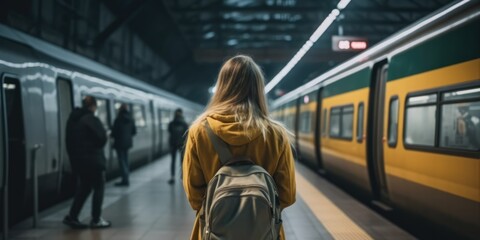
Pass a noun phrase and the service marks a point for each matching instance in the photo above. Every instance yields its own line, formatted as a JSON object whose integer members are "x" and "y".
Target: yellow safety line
{"x": 339, "y": 225}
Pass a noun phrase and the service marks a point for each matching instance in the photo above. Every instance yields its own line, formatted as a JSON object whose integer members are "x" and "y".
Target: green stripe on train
{"x": 358, "y": 80}
{"x": 460, "y": 45}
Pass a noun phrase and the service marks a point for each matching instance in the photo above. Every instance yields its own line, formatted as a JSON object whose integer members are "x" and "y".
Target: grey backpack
{"x": 241, "y": 201}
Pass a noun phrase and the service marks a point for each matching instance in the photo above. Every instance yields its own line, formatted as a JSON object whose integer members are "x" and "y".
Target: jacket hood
{"x": 78, "y": 113}
{"x": 231, "y": 131}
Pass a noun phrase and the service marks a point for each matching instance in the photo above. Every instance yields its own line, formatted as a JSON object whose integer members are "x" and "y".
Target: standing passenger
{"x": 177, "y": 130}
{"x": 123, "y": 131}
{"x": 237, "y": 114}
{"x": 85, "y": 139}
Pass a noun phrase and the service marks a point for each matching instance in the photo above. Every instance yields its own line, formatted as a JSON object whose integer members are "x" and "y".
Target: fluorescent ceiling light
{"x": 308, "y": 44}
{"x": 342, "y": 4}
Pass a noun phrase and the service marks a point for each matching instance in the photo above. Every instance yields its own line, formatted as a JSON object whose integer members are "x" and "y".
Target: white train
{"x": 42, "y": 83}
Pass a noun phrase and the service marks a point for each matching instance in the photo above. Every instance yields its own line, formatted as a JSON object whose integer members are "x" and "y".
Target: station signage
{"x": 348, "y": 43}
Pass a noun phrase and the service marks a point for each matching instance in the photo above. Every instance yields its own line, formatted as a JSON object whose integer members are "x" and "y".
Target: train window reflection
{"x": 347, "y": 122}
{"x": 462, "y": 94}
{"x": 305, "y": 122}
{"x": 432, "y": 98}
{"x": 334, "y": 122}
{"x": 393, "y": 122}
{"x": 102, "y": 112}
{"x": 420, "y": 125}
{"x": 324, "y": 122}
{"x": 461, "y": 125}
{"x": 360, "y": 123}
{"x": 139, "y": 115}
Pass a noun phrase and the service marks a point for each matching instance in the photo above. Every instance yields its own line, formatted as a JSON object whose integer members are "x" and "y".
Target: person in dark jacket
{"x": 123, "y": 131}
{"x": 85, "y": 139}
{"x": 177, "y": 130}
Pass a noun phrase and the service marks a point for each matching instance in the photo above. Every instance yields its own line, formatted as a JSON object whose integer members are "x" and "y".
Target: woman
{"x": 238, "y": 114}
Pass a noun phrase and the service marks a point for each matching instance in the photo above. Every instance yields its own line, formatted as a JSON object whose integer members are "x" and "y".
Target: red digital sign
{"x": 348, "y": 43}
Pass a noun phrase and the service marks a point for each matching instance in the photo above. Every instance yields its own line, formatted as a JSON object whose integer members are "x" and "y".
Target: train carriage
{"x": 41, "y": 84}
{"x": 400, "y": 123}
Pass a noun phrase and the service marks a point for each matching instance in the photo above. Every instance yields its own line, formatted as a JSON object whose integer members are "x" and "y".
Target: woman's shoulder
{"x": 278, "y": 132}
{"x": 197, "y": 128}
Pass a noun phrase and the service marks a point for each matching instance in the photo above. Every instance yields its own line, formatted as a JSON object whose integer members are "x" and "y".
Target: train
{"x": 42, "y": 83}
{"x": 399, "y": 124}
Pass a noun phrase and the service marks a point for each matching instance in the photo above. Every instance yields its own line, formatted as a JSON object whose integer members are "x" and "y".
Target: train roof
{"x": 74, "y": 59}
{"x": 378, "y": 51}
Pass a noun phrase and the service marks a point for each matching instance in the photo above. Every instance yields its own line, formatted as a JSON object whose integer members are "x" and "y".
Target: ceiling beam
{"x": 127, "y": 14}
{"x": 270, "y": 55}
{"x": 297, "y": 10}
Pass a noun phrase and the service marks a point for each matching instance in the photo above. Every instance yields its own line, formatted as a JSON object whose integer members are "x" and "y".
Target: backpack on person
{"x": 241, "y": 200}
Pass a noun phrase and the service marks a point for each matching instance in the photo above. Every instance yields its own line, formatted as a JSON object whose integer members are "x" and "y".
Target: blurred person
{"x": 177, "y": 129}
{"x": 122, "y": 132}
{"x": 85, "y": 140}
{"x": 238, "y": 115}
{"x": 468, "y": 126}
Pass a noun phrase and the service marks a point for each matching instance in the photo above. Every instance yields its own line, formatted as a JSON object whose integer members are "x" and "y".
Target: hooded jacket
{"x": 85, "y": 139}
{"x": 201, "y": 161}
{"x": 123, "y": 130}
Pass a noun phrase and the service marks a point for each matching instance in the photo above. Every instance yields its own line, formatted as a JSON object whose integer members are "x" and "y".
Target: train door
{"x": 153, "y": 131}
{"x": 318, "y": 130}
{"x": 16, "y": 160}
{"x": 65, "y": 105}
{"x": 159, "y": 132}
{"x": 375, "y": 131}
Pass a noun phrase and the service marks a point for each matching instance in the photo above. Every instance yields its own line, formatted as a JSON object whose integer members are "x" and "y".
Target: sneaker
{"x": 73, "y": 223}
{"x": 171, "y": 181}
{"x": 101, "y": 223}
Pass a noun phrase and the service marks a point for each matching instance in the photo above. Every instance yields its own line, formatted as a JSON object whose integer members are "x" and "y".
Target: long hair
{"x": 240, "y": 92}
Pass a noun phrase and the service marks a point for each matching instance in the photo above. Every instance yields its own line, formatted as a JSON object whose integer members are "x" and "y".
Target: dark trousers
{"x": 173, "y": 151}
{"x": 93, "y": 180}
{"x": 122, "y": 155}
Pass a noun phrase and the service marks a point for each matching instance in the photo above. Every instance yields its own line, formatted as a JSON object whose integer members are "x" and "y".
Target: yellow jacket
{"x": 201, "y": 162}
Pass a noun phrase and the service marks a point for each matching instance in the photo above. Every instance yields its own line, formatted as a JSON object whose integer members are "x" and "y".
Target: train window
{"x": 424, "y": 99}
{"x": 335, "y": 122}
{"x": 360, "y": 122}
{"x": 165, "y": 119}
{"x": 102, "y": 112}
{"x": 138, "y": 112}
{"x": 420, "y": 120}
{"x": 341, "y": 122}
{"x": 324, "y": 122}
{"x": 347, "y": 122}
{"x": 305, "y": 122}
{"x": 460, "y": 122}
{"x": 393, "y": 122}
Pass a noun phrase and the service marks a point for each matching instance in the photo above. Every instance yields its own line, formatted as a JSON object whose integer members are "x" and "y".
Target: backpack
{"x": 241, "y": 200}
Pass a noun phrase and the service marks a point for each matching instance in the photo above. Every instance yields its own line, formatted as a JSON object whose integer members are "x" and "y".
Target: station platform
{"x": 152, "y": 209}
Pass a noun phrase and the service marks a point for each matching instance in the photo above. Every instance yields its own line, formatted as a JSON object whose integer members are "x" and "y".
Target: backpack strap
{"x": 224, "y": 154}
{"x": 220, "y": 146}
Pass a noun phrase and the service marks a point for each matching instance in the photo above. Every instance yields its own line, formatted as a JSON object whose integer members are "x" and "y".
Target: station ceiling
{"x": 196, "y": 36}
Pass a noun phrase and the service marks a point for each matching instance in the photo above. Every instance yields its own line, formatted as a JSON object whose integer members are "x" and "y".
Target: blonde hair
{"x": 240, "y": 92}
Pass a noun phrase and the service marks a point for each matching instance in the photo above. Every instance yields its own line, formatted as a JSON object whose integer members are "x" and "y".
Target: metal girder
{"x": 126, "y": 15}
{"x": 266, "y": 55}
{"x": 294, "y": 10}
{"x": 277, "y": 23}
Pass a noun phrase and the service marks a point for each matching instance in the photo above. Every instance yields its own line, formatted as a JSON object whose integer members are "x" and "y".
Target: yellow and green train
{"x": 400, "y": 122}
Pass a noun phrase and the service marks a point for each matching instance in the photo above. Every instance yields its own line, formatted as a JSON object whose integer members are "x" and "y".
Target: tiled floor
{"x": 152, "y": 209}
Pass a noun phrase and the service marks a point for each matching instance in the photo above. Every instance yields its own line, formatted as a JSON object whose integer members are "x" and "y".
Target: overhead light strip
{"x": 315, "y": 36}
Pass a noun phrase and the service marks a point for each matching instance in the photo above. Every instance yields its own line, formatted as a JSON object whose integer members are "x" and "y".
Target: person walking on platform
{"x": 177, "y": 129}
{"x": 122, "y": 132}
{"x": 85, "y": 140}
{"x": 238, "y": 117}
